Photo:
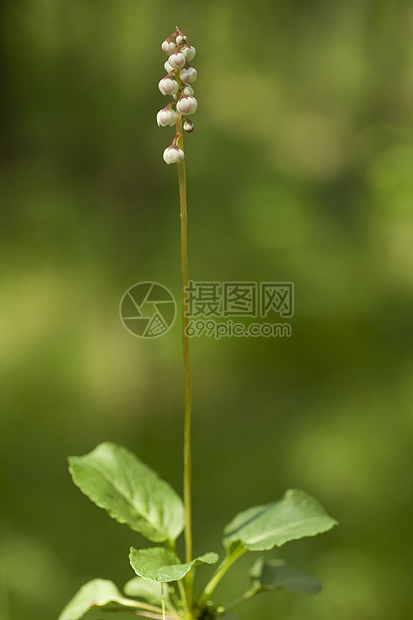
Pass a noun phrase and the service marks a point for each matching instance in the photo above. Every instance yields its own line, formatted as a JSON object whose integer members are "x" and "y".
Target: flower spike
{"x": 177, "y": 82}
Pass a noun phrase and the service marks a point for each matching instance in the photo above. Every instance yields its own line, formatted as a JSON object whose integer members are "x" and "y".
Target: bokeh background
{"x": 300, "y": 169}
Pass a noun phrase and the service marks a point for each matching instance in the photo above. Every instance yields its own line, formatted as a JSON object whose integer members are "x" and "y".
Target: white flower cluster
{"x": 180, "y": 76}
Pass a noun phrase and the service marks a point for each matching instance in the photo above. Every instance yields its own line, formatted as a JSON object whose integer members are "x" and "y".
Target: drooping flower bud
{"x": 188, "y": 126}
{"x": 187, "y": 105}
{"x": 177, "y": 60}
{"x": 173, "y": 155}
{"x": 189, "y": 52}
{"x": 168, "y": 86}
{"x": 166, "y": 117}
{"x": 188, "y": 75}
{"x": 168, "y": 46}
{"x": 180, "y": 39}
{"x": 188, "y": 90}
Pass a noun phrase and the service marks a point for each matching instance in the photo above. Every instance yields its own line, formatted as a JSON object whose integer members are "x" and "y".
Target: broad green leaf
{"x": 263, "y": 527}
{"x": 130, "y": 491}
{"x": 159, "y": 564}
{"x": 149, "y": 591}
{"x": 277, "y": 575}
{"x": 96, "y": 593}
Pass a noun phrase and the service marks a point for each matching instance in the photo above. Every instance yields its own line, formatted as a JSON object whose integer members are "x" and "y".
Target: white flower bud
{"x": 168, "y": 86}
{"x": 173, "y": 155}
{"x": 188, "y": 126}
{"x": 188, "y": 90}
{"x": 177, "y": 60}
{"x": 168, "y": 46}
{"x": 168, "y": 67}
{"x": 180, "y": 39}
{"x": 188, "y": 75}
{"x": 189, "y": 52}
{"x": 166, "y": 117}
{"x": 187, "y": 105}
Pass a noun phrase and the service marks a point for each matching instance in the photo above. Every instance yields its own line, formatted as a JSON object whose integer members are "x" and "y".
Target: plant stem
{"x": 136, "y": 605}
{"x": 187, "y": 372}
{"x": 220, "y": 572}
{"x": 183, "y": 593}
{"x": 239, "y": 601}
{"x": 148, "y": 614}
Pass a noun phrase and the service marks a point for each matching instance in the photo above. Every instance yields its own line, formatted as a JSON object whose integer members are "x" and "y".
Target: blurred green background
{"x": 300, "y": 169}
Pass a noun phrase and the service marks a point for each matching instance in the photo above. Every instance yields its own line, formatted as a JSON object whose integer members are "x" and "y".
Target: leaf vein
{"x": 123, "y": 493}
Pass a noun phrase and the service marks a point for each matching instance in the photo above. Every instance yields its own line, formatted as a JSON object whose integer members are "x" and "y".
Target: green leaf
{"x": 130, "y": 491}
{"x": 268, "y": 575}
{"x": 96, "y": 593}
{"x": 149, "y": 591}
{"x": 159, "y": 564}
{"x": 263, "y": 527}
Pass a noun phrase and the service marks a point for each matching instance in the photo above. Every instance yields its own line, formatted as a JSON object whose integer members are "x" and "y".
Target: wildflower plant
{"x": 133, "y": 494}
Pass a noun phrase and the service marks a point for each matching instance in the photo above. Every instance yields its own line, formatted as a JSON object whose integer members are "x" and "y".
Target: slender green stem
{"x": 142, "y": 613}
{"x": 140, "y": 605}
{"x": 187, "y": 371}
{"x": 220, "y": 572}
{"x": 163, "y": 601}
{"x": 238, "y": 601}
{"x": 183, "y": 593}
{"x": 148, "y": 614}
